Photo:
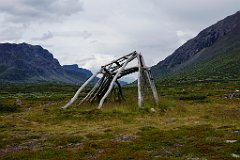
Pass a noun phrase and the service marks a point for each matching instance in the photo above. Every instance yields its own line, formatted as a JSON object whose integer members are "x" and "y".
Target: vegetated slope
{"x": 213, "y": 53}
{"x": 31, "y": 63}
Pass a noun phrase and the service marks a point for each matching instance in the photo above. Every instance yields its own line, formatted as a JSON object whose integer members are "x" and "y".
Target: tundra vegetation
{"x": 194, "y": 120}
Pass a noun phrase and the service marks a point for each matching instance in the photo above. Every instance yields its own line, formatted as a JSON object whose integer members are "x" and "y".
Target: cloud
{"x": 29, "y": 11}
{"x": 44, "y": 37}
{"x": 11, "y": 33}
{"x": 83, "y": 34}
{"x": 49, "y": 35}
{"x": 92, "y": 33}
{"x": 18, "y": 15}
{"x": 94, "y": 62}
{"x": 185, "y": 35}
{"x": 196, "y": 15}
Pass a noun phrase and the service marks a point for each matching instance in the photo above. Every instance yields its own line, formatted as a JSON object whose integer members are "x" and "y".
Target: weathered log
{"x": 92, "y": 91}
{"x": 80, "y": 89}
{"x": 151, "y": 81}
{"x": 140, "y": 93}
{"x": 119, "y": 59}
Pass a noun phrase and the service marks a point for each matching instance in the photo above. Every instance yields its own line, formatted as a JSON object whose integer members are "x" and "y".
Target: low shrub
{"x": 8, "y": 108}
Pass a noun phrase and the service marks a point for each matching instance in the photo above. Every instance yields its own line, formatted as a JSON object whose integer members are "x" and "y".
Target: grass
{"x": 193, "y": 120}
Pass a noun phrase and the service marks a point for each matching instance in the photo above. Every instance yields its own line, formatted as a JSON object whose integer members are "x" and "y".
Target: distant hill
{"x": 32, "y": 63}
{"x": 213, "y": 53}
{"x": 74, "y": 71}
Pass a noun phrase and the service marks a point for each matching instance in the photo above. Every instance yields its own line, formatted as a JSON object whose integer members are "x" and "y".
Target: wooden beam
{"x": 140, "y": 93}
{"x": 92, "y": 91}
{"x": 151, "y": 81}
{"x": 99, "y": 89}
{"x": 128, "y": 71}
{"x": 130, "y": 54}
{"x": 80, "y": 89}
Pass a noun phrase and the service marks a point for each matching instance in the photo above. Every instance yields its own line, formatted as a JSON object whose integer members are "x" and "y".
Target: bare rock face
{"x": 32, "y": 63}
{"x": 205, "y": 39}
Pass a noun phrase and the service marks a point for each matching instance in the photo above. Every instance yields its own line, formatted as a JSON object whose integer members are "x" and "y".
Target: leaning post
{"x": 80, "y": 89}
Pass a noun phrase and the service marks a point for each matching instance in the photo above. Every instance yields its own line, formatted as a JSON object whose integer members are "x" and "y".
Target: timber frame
{"x": 113, "y": 71}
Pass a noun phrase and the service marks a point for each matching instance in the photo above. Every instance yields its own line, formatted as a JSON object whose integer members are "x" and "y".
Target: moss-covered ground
{"x": 194, "y": 121}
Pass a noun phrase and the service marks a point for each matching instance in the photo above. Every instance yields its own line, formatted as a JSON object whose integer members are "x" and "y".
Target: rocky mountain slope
{"x": 31, "y": 63}
{"x": 213, "y": 53}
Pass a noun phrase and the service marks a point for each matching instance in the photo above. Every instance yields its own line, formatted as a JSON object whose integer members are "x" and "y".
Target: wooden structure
{"x": 113, "y": 71}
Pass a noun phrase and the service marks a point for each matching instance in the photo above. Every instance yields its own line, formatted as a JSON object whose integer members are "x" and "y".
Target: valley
{"x": 193, "y": 120}
{"x": 198, "y": 116}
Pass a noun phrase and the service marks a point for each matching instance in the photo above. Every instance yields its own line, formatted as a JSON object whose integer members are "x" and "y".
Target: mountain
{"x": 74, "y": 71}
{"x": 213, "y": 53}
{"x": 32, "y": 63}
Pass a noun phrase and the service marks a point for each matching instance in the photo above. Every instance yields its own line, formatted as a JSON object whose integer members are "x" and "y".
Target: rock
{"x": 172, "y": 120}
{"x": 19, "y": 102}
{"x": 231, "y": 141}
{"x": 234, "y": 94}
{"x": 152, "y": 110}
{"x": 2, "y": 153}
{"x": 235, "y": 155}
{"x": 125, "y": 138}
{"x": 237, "y": 131}
{"x": 196, "y": 159}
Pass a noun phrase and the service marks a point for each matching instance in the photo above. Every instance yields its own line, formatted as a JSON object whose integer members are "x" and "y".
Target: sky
{"x": 91, "y": 33}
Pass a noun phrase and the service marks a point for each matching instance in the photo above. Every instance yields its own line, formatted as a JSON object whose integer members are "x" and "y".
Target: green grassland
{"x": 194, "y": 121}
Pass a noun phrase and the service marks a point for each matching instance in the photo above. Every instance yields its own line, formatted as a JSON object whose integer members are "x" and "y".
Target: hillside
{"x": 213, "y": 53}
{"x": 32, "y": 63}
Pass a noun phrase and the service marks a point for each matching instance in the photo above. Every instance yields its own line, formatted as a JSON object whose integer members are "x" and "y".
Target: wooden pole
{"x": 99, "y": 89}
{"x": 151, "y": 81}
{"x": 140, "y": 94}
{"x": 114, "y": 79}
{"x": 92, "y": 91}
{"x": 80, "y": 89}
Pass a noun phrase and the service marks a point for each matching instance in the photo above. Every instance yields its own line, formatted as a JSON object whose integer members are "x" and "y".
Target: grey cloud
{"x": 83, "y": 61}
{"x": 17, "y": 15}
{"x": 196, "y": 14}
{"x": 27, "y": 11}
{"x": 44, "y": 37}
{"x": 12, "y": 33}
{"x": 93, "y": 41}
{"x": 82, "y": 34}
{"x": 151, "y": 27}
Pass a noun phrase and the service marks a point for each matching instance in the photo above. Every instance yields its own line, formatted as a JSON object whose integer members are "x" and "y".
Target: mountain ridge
{"x": 220, "y": 38}
{"x": 31, "y": 63}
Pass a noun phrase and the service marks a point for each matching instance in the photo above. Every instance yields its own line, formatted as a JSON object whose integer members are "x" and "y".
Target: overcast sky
{"x": 93, "y": 32}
